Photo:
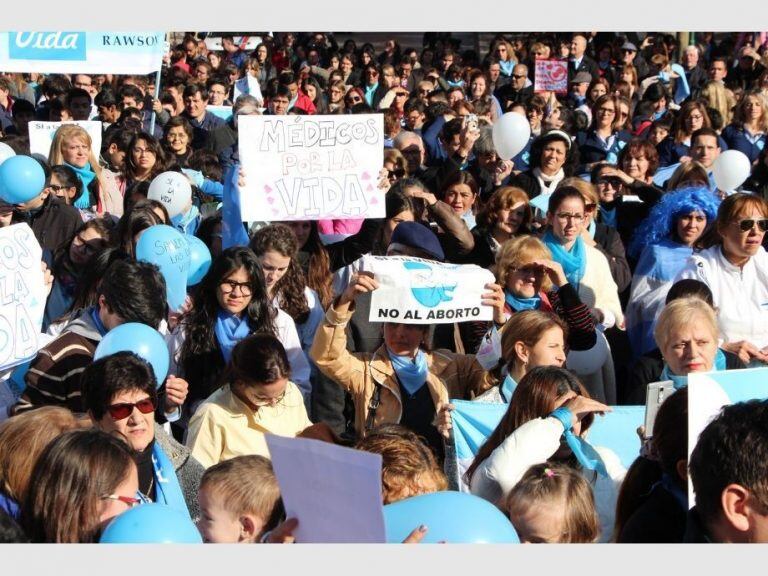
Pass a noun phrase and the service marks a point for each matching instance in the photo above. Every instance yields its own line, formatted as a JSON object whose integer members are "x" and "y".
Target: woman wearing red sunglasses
{"x": 120, "y": 398}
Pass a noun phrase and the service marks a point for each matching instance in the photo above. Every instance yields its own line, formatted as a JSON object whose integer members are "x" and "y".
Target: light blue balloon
{"x": 151, "y": 524}
{"x": 142, "y": 340}
{"x": 169, "y": 250}
{"x": 200, "y": 260}
{"x": 21, "y": 179}
{"x": 452, "y": 517}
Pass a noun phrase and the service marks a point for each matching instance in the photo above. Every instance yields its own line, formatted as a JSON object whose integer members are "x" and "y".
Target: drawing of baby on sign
{"x": 311, "y": 167}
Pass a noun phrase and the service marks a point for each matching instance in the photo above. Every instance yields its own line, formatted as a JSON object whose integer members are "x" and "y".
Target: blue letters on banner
{"x": 47, "y": 46}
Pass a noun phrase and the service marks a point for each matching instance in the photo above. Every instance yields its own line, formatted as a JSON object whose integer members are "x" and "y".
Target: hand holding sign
{"x": 173, "y": 190}
{"x": 359, "y": 284}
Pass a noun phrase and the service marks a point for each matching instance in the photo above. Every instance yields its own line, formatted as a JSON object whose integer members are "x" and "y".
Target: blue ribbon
{"x": 586, "y": 455}
{"x": 167, "y": 488}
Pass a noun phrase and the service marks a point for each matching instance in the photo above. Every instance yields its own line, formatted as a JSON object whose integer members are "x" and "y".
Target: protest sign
{"x": 334, "y": 492}
{"x": 417, "y": 291}
{"x": 41, "y": 135}
{"x": 22, "y": 295}
{"x": 223, "y": 112}
{"x": 82, "y": 52}
{"x": 551, "y": 76}
{"x": 311, "y": 167}
{"x": 709, "y": 392}
{"x": 473, "y": 423}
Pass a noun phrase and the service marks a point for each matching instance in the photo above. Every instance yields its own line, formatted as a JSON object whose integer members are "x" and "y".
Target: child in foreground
{"x": 239, "y": 501}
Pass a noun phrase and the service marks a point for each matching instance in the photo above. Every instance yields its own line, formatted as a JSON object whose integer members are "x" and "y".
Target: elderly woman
{"x": 687, "y": 337}
{"x": 736, "y": 270}
{"x": 552, "y": 159}
{"x": 663, "y": 243}
{"x": 119, "y": 395}
{"x": 257, "y": 398}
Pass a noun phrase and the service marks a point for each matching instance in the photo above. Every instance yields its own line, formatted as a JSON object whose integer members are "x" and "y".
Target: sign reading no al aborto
{"x": 418, "y": 291}
{"x": 82, "y": 52}
{"x": 311, "y": 167}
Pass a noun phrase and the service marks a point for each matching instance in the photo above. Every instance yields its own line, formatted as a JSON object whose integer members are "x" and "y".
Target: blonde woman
{"x": 715, "y": 95}
{"x": 71, "y": 146}
{"x": 749, "y": 129}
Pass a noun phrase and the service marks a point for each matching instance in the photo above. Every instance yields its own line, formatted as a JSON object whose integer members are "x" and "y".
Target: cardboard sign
{"x": 41, "y": 135}
{"x": 417, "y": 291}
{"x": 22, "y": 295}
{"x": 311, "y": 167}
{"x": 82, "y": 52}
{"x": 551, "y": 76}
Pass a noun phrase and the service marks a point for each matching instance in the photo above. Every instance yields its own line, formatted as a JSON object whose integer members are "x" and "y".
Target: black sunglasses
{"x": 749, "y": 223}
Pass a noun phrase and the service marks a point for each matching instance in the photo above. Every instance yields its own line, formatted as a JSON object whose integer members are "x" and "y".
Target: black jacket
{"x": 659, "y": 519}
{"x": 610, "y": 244}
{"x": 53, "y": 224}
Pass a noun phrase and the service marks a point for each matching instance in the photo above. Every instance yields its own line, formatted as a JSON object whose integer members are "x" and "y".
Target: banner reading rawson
{"x": 417, "y": 291}
{"x": 82, "y": 52}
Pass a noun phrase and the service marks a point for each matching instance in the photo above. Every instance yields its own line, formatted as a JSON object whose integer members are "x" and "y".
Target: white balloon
{"x": 730, "y": 170}
{"x": 511, "y": 133}
{"x": 173, "y": 190}
{"x": 5, "y": 152}
{"x": 583, "y": 362}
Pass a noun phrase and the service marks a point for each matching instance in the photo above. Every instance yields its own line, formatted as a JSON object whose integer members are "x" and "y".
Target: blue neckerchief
{"x": 579, "y": 99}
{"x": 167, "y": 488}
{"x": 86, "y": 176}
{"x": 229, "y": 330}
{"x": 608, "y": 216}
{"x": 469, "y": 218}
{"x": 455, "y": 84}
{"x": 97, "y": 321}
{"x": 369, "y": 91}
{"x": 586, "y": 455}
{"x": 658, "y": 115}
{"x": 507, "y": 388}
{"x": 592, "y": 228}
{"x": 681, "y": 381}
{"x": 412, "y": 373}
{"x": 187, "y": 223}
{"x": 520, "y": 304}
{"x": 507, "y": 66}
{"x": 680, "y": 496}
{"x": 574, "y": 263}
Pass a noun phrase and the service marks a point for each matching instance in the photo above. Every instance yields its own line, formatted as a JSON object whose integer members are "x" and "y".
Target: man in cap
{"x": 630, "y": 56}
{"x": 579, "y": 85}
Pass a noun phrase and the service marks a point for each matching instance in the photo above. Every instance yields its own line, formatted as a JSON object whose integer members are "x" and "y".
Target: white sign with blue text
{"x": 417, "y": 291}
{"x": 82, "y": 52}
{"x": 41, "y": 135}
{"x": 22, "y": 295}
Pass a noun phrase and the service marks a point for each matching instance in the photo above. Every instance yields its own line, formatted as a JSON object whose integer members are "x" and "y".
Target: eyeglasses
{"x": 607, "y": 110}
{"x": 228, "y": 286}
{"x": 261, "y": 401}
{"x": 749, "y": 224}
{"x": 129, "y": 500}
{"x": 355, "y": 100}
{"x": 564, "y": 217}
{"x": 590, "y": 207}
{"x": 519, "y": 76}
{"x": 399, "y": 173}
{"x": 529, "y": 270}
{"x": 143, "y": 151}
{"x": 610, "y": 182}
{"x": 124, "y": 409}
{"x": 58, "y": 188}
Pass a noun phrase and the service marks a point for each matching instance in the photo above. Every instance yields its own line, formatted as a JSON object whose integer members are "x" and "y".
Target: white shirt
{"x": 740, "y": 295}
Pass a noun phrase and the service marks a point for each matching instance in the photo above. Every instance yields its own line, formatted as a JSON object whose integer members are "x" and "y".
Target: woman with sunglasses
{"x": 230, "y": 303}
{"x": 120, "y": 397}
{"x": 585, "y": 267}
{"x": 82, "y": 480}
{"x": 662, "y": 245}
{"x": 735, "y": 268}
{"x": 257, "y": 398}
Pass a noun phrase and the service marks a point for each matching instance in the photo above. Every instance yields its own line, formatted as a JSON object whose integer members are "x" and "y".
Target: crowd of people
{"x": 606, "y": 231}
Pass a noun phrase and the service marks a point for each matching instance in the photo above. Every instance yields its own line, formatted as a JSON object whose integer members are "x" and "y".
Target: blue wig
{"x": 662, "y": 220}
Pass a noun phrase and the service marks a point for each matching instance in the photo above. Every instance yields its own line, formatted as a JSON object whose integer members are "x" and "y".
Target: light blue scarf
{"x": 412, "y": 373}
{"x": 586, "y": 455}
{"x": 507, "y": 66}
{"x": 187, "y": 223}
{"x": 86, "y": 176}
{"x": 682, "y": 381}
{"x": 229, "y": 330}
{"x": 369, "y": 92}
{"x": 520, "y": 304}
{"x": 574, "y": 263}
{"x": 97, "y": 321}
{"x": 507, "y": 388}
{"x": 167, "y": 488}
{"x": 592, "y": 228}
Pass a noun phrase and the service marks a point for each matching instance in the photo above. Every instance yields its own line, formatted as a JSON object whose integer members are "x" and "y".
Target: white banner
{"x": 22, "y": 295}
{"x": 82, "y": 52}
{"x": 311, "y": 167}
{"x": 417, "y": 291}
{"x": 41, "y": 135}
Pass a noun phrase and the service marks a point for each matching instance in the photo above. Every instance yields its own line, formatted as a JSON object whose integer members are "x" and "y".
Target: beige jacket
{"x": 450, "y": 375}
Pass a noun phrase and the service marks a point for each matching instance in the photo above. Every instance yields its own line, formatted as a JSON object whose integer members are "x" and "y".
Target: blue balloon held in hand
{"x": 151, "y": 524}
{"x": 200, "y": 260}
{"x": 452, "y": 517}
{"x": 167, "y": 248}
{"x": 142, "y": 340}
{"x": 21, "y": 179}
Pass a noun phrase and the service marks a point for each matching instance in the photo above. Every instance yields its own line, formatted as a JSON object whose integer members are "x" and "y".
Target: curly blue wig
{"x": 662, "y": 220}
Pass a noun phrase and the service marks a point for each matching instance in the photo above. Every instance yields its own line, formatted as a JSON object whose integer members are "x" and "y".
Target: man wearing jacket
{"x": 51, "y": 219}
